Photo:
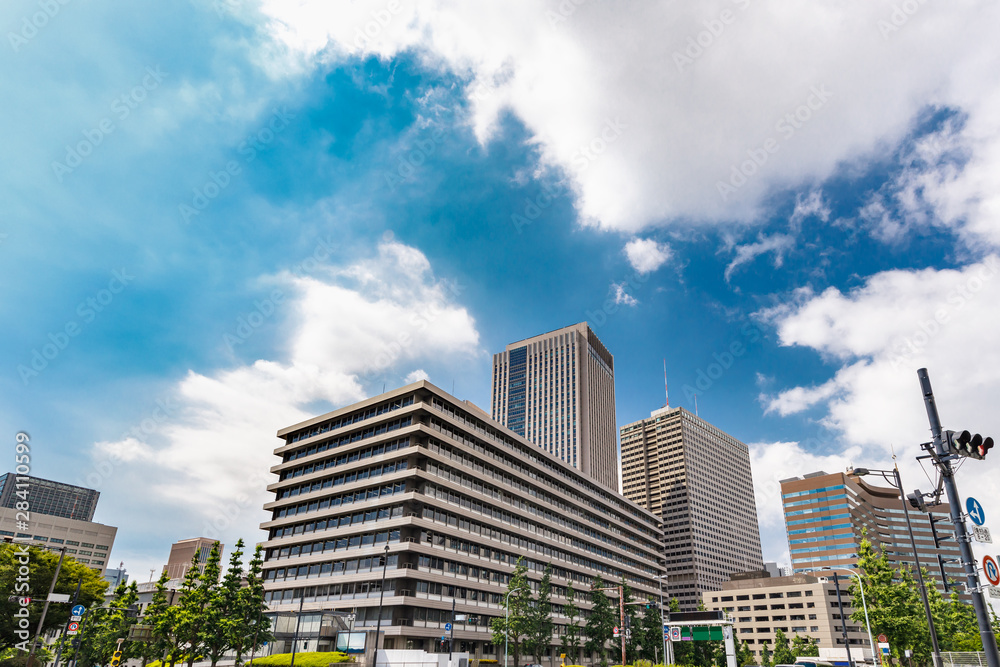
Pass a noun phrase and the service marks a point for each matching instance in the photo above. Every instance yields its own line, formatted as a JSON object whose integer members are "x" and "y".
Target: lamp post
{"x": 898, "y": 484}
{"x": 381, "y": 596}
{"x": 298, "y": 620}
{"x": 506, "y": 623}
{"x": 864, "y": 606}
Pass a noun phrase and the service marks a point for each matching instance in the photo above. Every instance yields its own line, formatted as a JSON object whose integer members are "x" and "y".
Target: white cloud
{"x": 647, "y": 132}
{"x": 880, "y": 334}
{"x": 777, "y": 243}
{"x": 416, "y": 376}
{"x": 646, "y": 255}
{"x": 202, "y": 469}
{"x": 621, "y": 296}
{"x": 812, "y": 205}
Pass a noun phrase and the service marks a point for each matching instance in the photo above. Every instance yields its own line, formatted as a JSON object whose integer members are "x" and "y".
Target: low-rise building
{"x": 88, "y": 542}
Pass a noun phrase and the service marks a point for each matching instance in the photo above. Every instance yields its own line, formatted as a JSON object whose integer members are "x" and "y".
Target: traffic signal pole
{"x": 942, "y": 461}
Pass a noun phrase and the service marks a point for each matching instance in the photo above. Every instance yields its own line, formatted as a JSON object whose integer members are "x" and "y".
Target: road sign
{"x": 994, "y": 591}
{"x": 76, "y": 618}
{"x": 991, "y": 570}
{"x": 883, "y": 648}
{"x": 616, "y": 631}
{"x": 982, "y": 534}
{"x": 675, "y": 634}
{"x": 447, "y": 627}
{"x": 58, "y": 597}
{"x": 882, "y": 639}
{"x": 975, "y": 511}
{"x": 78, "y": 610}
{"x": 73, "y": 627}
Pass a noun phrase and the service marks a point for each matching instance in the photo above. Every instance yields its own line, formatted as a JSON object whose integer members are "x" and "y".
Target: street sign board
{"x": 78, "y": 610}
{"x": 73, "y": 627}
{"x": 447, "y": 627}
{"x": 461, "y": 617}
{"x": 616, "y": 631}
{"x": 982, "y": 534}
{"x": 991, "y": 570}
{"x": 975, "y": 511}
{"x": 882, "y": 639}
{"x": 76, "y": 618}
{"x": 883, "y": 648}
{"x": 994, "y": 591}
{"x": 58, "y": 597}
{"x": 675, "y": 634}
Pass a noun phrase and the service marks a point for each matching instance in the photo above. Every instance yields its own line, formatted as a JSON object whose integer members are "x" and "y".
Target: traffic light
{"x": 116, "y": 659}
{"x": 917, "y": 500}
{"x": 964, "y": 443}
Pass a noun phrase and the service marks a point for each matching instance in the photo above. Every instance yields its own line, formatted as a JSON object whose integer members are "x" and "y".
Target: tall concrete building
{"x": 698, "y": 479}
{"x": 50, "y": 498}
{"x": 825, "y": 515}
{"x": 557, "y": 390}
{"x": 426, "y": 493}
{"x": 88, "y": 542}
{"x": 183, "y": 551}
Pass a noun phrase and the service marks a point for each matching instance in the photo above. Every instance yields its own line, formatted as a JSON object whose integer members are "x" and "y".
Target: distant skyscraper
{"x": 50, "y": 498}
{"x": 557, "y": 390}
{"x": 825, "y": 515}
{"x": 182, "y": 552}
{"x": 698, "y": 479}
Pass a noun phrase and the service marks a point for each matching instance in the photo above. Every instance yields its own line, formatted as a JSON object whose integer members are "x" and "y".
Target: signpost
{"x": 982, "y": 534}
{"x": 991, "y": 570}
{"x": 975, "y": 511}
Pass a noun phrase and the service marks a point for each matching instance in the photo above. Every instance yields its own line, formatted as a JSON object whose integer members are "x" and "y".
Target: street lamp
{"x": 864, "y": 606}
{"x": 506, "y": 622}
{"x": 898, "y": 484}
{"x": 381, "y": 595}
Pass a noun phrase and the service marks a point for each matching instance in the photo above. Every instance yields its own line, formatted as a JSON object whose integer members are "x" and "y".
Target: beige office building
{"x": 698, "y": 479}
{"x": 800, "y": 605}
{"x": 428, "y": 494}
{"x": 88, "y": 542}
{"x": 183, "y": 551}
{"x": 557, "y": 390}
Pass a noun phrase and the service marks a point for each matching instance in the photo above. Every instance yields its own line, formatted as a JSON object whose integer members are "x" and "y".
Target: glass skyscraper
{"x": 51, "y": 498}
{"x": 557, "y": 390}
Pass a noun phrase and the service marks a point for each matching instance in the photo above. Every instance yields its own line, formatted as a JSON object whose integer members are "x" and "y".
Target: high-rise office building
{"x": 427, "y": 494}
{"x": 825, "y": 515}
{"x": 697, "y": 479}
{"x": 50, "y": 498}
{"x": 557, "y": 390}
{"x": 183, "y": 551}
{"x": 88, "y": 542}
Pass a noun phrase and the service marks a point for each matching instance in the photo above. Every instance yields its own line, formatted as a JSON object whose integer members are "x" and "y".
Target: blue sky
{"x": 239, "y": 208}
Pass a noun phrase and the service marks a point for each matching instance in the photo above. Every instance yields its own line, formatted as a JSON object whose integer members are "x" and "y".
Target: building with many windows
{"x": 427, "y": 494}
{"x": 88, "y": 542}
{"x": 799, "y": 604}
{"x": 826, "y": 516}
{"x": 182, "y": 552}
{"x": 698, "y": 479}
{"x": 48, "y": 497}
{"x": 557, "y": 390}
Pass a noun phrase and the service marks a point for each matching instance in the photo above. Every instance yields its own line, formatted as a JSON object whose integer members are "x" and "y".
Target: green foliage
{"x": 571, "y": 639}
{"x": 650, "y": 635}
{"x": 515, "y": 627}
{"x": 765, "y": 656}
{"x": 540, "y": 625}
{"x": 782, "y": 652}
{"x": 600, "y": 626}
{"x": 744, "y": 655}
{"x": 250, "y": 628}
{"x": 41, "y": 566}
{"x": 313, "y": 659}
{"x": 805, "y": 646}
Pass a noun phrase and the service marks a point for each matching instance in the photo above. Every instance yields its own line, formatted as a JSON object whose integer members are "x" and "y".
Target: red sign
{"x": 991, "y": 570}
{"x": 73, "y": 627}
{"x": 882, "y": 639}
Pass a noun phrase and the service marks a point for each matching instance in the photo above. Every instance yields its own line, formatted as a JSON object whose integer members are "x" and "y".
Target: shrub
{"x": 313, "y": 659}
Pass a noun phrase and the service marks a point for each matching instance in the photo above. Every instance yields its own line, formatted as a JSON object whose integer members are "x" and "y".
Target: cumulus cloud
{"x": 621, "y": 296}
{"x": 646, "y": 255}
{"x": 648, "y": 133}
{"x": 347, "y": 326}
{"x": 877, "y": 336}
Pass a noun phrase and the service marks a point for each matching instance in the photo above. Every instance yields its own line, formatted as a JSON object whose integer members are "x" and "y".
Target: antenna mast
{"x": 666, "y": 392}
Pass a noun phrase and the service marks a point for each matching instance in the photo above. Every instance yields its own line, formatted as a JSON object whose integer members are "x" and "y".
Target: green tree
{"x": 571, "y": 639}
{"x": 251, "y": 629}
{"x": 744, "y": 654}
{"x": 651, "y": 634}
{"x": 515, "y": 627}
{"x": 601, "y": 622}
{"x": 40, "y": 565}
{"x": 220, "y": 601}
{"x": 894, "y": 606}
{"x": 188, "y": 615}
{"x": 540, "y": 625}
{"x": 164, "y": 619}
{"x": 805, "y": 647}
{"x": 782, "y": 653}
{"x": 765, "y": 657}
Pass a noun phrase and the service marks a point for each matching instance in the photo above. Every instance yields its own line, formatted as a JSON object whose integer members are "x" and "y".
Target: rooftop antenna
{"x": 696, "y": 405}
{"x": 666, "y": 392}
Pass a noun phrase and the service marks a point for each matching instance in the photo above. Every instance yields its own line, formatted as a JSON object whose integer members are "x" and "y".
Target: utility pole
{"x": 942, "y": 460}
{"x": 843, "y": 621}
{"x": 45, "y": 609}
{"x": 621, "y": 614}
{"x": 62, "y": 637}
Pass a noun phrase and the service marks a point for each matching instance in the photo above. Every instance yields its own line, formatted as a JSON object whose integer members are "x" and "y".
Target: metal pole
{"x": 943, "y": 464}
{"x": 843, "y": 621}
{"x": 621, "y": 616}
{"x": 935, "y": 648}
{"x": 298, "y": 620}
{"x": 506, "y": 624}
{"x": 381, "y": 596}
{"x": 45, "y": 609}
{"x": 62, "y": 636}
{"x": 662, "y": 630}
{"x": 451, "y": 634}
{"x": 864, "y": 605}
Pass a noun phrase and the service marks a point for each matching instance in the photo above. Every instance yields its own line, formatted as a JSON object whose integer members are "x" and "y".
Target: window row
{"x": 333, "y": 443}
{"x": 345, "y": 478}
{"x": 357, "y": 518}
{"x": 349, "y": 566}
{"x": 334, "y": 461}
{"x": 345, "y": 499}
{"x": 353, "y": 418}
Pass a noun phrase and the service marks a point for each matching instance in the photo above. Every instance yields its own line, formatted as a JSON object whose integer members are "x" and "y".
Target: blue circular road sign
{"x": 975, "y": 511}
{"x": 78, "y": 610}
